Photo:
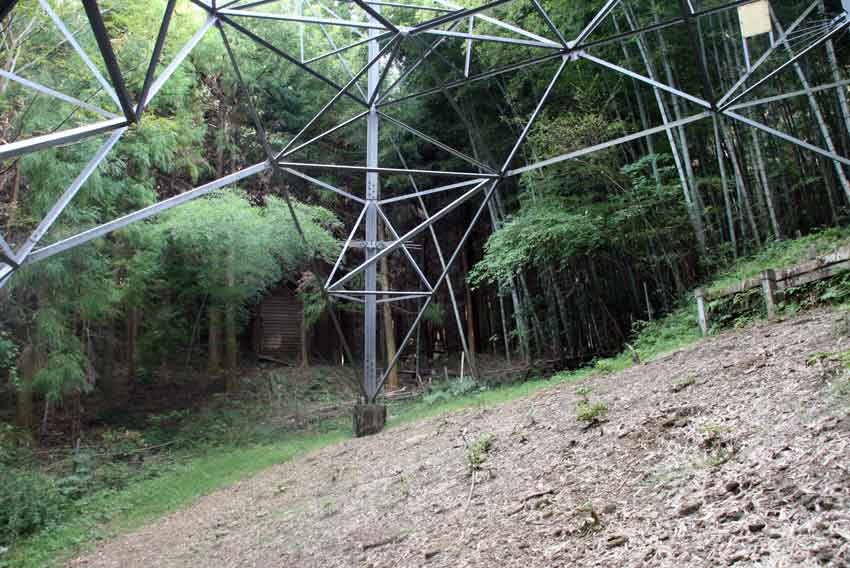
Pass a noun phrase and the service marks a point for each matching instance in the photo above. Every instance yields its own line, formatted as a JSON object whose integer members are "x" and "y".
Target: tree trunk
{"x": 393, "y": 383}
{"x": 768, "y": 193}
{"x": 693, "y": 214}
{"x": 27, "y": 369}
{"x": 231, "y": 345}
{"x": 815, "y": 107}
{"x": 112, "y": 385}
{"x": 132, "y": 335}
{"x": 468, "y": 308}
{"x": 214, "y": 343}
{"x": 305, "y": 341}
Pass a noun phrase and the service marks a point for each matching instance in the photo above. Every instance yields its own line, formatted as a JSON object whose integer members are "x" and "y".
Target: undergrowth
{"x": 779, "y": 254}
{"x": 138, "y": 472}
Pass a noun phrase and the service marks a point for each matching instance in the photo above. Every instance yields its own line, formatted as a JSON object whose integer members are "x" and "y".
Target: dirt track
{"x": 729, "y": 452}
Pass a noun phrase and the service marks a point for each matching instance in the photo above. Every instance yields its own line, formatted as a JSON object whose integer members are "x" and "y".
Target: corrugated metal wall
{"x": 279, "y": 325}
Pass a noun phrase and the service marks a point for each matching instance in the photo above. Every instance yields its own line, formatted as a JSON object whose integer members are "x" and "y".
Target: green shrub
{"x": 29, "y": 501}
{"x": 590, "y": 413}
{"x": 453, "y": 389}
{"x": 476, "y": 454}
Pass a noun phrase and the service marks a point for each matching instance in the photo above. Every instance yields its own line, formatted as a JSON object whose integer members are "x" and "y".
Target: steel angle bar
{"x": 499, "y": 23}
{"x": 286, "y": 153}
{"x": 467, "y": 60}
{"x": 770, "y": 51}
{"x": 596, "y": 21}
{"x": 417, "y": 194}
{"x": 495, "y": 39}
{"x": 454, "y": 16}
{"x": 338, "y": 50}
{"x": 402, "y": 298}
{"x": 535, "y": 114}
{"x": 56, "y": 94}
{"x": 278, "y": 171}
{"x": 347, "y": 297}
{"x": 68, "y": 195}
{"x": 150, "y": 211}
{"x": 246, "y": 5}
{"x": 410, "y": 234}
{"x": 7, "y": 255}
{"x": 657, "y": 26}
{"x": 376, "y": 15}
{"x": 551, "y": 24}
{"x": 381, "y": 292}
{"x": 69, "y": 37}
{"x": 439, "y": 249}
{"x": 377, "y": 88}
{"x": 516, "y": 30}
{"x": 410, "y": 6}
{"x": 787, "y": 137}
{"x": 109, "y": 59}
{"x": 657, "y": 84}
{"x": 840, "y": 24}
{"x": 178, "y": 60}
{"x": 392, "y": 363}
{"x": 609, "y": 144}
{"x": 325, "y": 185}
{"x": 443, "y": 276}
{"x": 301, "y": 19}
{"x": 157, "y": 53}
{"x": 336, "y": 97}
{"x": 60, "y": 138}
{"x": 479, "y": 77}
{"x": 695, "y": 39}
{"x": 431, "y": 228}
{"x": 406, "y": 73}
{"x": 279, "y": 52}
{"x": 788, "y": 95}
{"x": 437, "y": 143}
{"x": 382, "y": 170}
{"x": 342, "y": 59}
{"x": 346, "y": 246}
{"x": 404, "y": 248}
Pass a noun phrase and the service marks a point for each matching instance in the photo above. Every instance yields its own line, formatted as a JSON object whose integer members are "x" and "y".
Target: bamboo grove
{"x": 568, "y": 262}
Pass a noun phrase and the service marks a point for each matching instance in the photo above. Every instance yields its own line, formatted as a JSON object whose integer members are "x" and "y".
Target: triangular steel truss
{"x": 443, "y": 21}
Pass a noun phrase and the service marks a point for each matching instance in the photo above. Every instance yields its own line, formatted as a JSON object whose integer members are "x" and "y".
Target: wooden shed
{"x": 277, "y": 325}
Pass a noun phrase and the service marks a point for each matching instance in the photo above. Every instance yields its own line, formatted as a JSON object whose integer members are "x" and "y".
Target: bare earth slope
{"x": 729, "y": 452}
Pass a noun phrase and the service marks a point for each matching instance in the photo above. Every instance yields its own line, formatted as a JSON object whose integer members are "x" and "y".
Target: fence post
{"x": 702, "y": 313}
{"x": 768, "y": 288}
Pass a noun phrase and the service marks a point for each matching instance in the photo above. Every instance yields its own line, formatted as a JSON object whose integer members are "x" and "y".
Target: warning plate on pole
{"x": 755, "y": 18}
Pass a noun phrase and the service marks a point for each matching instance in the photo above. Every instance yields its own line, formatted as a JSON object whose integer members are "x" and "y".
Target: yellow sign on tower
{"x": 755, "y": 18}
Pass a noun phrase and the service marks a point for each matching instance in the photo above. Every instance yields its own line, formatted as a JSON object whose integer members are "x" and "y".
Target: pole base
{"x": 369, "y": 419}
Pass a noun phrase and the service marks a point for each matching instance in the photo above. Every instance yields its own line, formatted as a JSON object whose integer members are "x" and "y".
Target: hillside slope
{"x": 733, "y": 451}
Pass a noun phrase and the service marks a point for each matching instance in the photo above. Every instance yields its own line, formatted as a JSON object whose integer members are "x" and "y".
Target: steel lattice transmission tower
{"x": 386, "y": 75}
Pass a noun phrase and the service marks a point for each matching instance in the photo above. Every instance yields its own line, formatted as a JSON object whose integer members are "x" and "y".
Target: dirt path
{"x": 729, "y": 452}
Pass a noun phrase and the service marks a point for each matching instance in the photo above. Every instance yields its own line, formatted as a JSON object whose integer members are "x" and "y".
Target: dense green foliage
{"x": 105, "y": 349}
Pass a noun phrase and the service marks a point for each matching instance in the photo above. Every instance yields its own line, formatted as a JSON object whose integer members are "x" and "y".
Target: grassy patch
{"x": 780, "y": 254}
{"x": 108, "y": 513}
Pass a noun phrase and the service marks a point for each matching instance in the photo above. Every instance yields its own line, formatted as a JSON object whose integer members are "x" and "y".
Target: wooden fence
{"x": 773, "y": 282}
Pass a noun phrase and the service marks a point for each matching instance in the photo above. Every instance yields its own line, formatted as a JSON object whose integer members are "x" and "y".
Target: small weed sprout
{"x": 586, "y": 412}
{"x": 818, "y": 358}
{"x": 584, "y": 391}
{"x": 476, "y": 454}
{"x": 329, "y": 508}
{"x": 591, "y": 413}
{"x": 683, "y": 383}
{"x": 720, "y": 447}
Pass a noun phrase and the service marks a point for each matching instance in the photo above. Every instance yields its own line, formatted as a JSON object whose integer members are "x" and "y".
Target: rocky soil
{"x": 735, "y": 451}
